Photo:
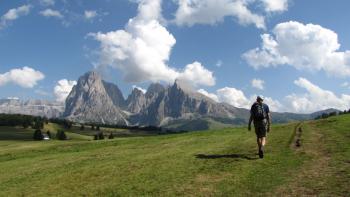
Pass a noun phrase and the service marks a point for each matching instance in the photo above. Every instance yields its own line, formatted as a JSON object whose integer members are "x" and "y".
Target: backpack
{"x": 258, "y": 111}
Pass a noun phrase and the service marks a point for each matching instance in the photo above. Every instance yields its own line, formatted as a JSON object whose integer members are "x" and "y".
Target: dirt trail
{"x": 314, "y": 169}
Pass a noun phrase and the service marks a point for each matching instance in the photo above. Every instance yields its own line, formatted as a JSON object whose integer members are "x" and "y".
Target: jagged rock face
{"x": 153, "y": 91}
{"x": 115, "y": 94}
{"x": 89, "y": 102}
{"x": 136, "y": 101}
{"x": 176, "y": 102}
{"x": 32, "y": 107}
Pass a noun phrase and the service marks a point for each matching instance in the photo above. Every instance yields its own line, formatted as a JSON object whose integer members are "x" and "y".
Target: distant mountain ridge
{"x": 32, "y": 107}
{"x": 176, "y": 106}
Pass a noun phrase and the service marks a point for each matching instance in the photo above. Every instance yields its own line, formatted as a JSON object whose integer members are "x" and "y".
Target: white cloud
{"x": 275, "y": 5}
{"x": 139, "y": 88}
{"x": 233, "y": 97}
{"x": 345, "y": 85}
{"x": 13, "y": 14}
{"x": 219, "y": 63}
{"x": 25, "y": 77}
{"x": 210, "y": 95}
{"x": 12, "y": 98}
{"x": 47, "y": 2}
{"x": 316, "y": 99}
{"x": 274, "y": 105}
{"x": 142, "y": 50}
{"x": 306, "y": 47}
{"x": 90, "y": 14}
{"x": 192, "y": 12}
{"x": 51, "y": 13}
{"x": 237, "y": 98}
{"x": 63, "y": 88}
{"x": 195, "y": 74}
{"x": 258, "y": 84}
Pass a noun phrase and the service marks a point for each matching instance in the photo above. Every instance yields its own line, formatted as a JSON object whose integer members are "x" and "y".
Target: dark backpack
{"x": 258, "y": 111}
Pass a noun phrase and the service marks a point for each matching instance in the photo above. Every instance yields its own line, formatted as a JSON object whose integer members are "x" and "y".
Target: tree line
{"x": 330, "y": 114}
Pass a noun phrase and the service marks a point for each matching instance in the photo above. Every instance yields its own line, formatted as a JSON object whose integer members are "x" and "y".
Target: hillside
{"x": 216, "y": 162}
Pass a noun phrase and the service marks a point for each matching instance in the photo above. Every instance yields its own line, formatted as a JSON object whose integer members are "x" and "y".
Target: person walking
{"x": 260, "y": 115}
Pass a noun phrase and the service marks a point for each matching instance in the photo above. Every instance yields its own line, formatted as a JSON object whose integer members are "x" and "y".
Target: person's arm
{"x": 250, "y": 122}
{"x": 268, "y": 121}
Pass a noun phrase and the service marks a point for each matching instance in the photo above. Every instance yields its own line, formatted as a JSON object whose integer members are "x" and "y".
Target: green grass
{"x": 206, "y": 163}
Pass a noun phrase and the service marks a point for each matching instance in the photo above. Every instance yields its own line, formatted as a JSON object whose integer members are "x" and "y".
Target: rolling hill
{"x": 208, "y": 163}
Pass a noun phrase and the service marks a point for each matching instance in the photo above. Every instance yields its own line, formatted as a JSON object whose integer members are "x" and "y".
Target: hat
{"x": 260, "y": 98}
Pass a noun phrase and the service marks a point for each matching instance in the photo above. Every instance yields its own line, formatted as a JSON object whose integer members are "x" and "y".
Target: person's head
{"x": 259, "y": 99}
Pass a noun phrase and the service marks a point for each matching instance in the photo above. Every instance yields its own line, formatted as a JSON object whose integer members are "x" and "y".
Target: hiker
{"x": 260, "y": 114}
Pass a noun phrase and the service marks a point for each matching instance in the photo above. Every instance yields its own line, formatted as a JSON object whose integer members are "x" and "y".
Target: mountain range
{"x": 176, "y": 106}
{"x": 173, "y": 106}
{"x": 31, "y": 107}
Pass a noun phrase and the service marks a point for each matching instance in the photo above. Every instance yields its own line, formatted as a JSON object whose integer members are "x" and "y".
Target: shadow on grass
{"x": 232, "y": 156}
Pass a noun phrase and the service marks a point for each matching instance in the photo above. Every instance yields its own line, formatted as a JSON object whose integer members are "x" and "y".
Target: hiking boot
{"x": 261, "y": 154}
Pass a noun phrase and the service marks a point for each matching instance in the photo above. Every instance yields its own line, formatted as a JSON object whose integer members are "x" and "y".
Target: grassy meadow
{"x": 220, "y": 162}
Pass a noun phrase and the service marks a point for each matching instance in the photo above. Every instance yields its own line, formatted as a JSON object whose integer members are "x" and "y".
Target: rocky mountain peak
{"x": 136, "y": 101}
{"x": 89, "y": 102}
{"x": 115, "y": 94}
{"x": 154, "y": 89}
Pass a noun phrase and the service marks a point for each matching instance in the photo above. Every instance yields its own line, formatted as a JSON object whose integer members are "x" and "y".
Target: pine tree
{"x": 38, "y": 135}
{"x": 61, "y": 135}
{"x": 111, "y": 136}
{"x": 101, "y": 136}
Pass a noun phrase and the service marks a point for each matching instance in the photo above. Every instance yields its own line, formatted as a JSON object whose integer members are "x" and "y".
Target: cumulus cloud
{"x": 234, "y": 97}
{"x": 139, "y": 88}
{"x": 14, "y": 14}
{"x": 196, "y": 74}
{"x": 62, "y": 89}
{"x": 47, "y": 2}
{"x": 258, "y": 84}
{"x": 316, "y": 98}
{"x": 237, "y": 98}
{"x": 210, "y": 95}
{"x": 51, "y": 13}
{"x": 275, "y": 5}
{"x": 25, "y": 77}
{"x": 141, "y": 50}
{"x": 306, "y": 47}
{"x": 90, "y": 14}
{"x": 210, "y": 12}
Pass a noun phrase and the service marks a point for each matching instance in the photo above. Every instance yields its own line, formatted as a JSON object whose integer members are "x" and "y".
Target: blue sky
{"x": 301, "y": 65}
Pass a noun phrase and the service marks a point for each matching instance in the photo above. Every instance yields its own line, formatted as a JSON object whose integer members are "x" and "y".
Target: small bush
{"x": 38, "y": 135}
{"x": 111, "y": 136}
{"x": 101, "y": 136}
{"x": 48, "y": 133}
{"x": 61, "y": 135}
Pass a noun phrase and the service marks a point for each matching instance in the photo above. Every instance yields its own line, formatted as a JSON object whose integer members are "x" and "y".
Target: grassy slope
{"x": 221, "y": 162}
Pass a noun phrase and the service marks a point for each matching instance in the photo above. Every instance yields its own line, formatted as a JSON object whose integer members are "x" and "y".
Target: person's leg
{"x": 262, "y": 144}
{"x": 263, "y": 141}
{"x": 258, "y": 141}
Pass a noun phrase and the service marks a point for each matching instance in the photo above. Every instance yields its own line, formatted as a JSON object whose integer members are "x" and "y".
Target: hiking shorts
{"x": 260, "y": 128}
